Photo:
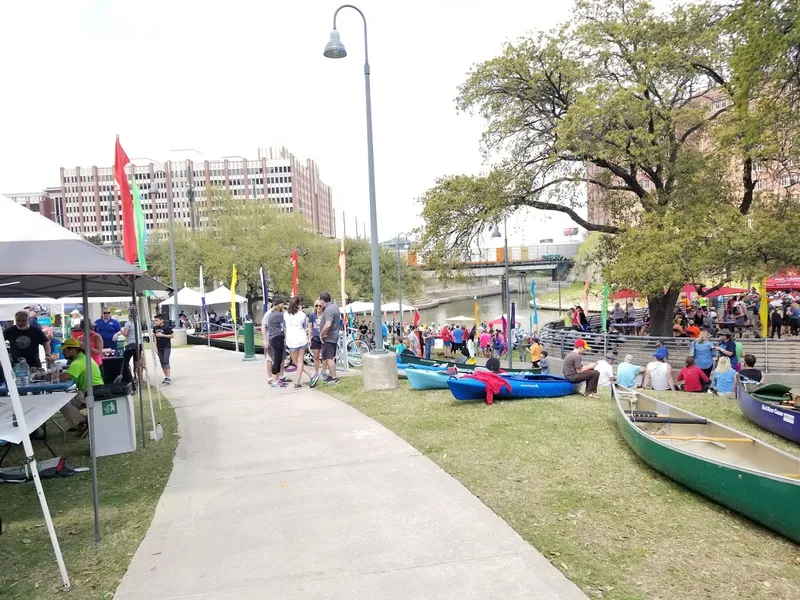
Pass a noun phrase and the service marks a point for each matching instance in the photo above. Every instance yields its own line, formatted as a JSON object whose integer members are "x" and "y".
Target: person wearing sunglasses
{"x": 107, "y": 328}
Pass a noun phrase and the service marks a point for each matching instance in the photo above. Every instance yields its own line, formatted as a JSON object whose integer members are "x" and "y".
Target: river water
{"x": 491, "y": 308}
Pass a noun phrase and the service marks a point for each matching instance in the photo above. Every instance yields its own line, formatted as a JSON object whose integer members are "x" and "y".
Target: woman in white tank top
{"x": 295, "y": 323}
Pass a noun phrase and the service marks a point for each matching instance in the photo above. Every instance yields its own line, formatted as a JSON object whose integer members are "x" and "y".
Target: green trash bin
{"x": 249, "y": 341}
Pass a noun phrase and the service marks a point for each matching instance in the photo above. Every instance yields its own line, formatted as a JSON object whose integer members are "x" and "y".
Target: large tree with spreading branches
{"x": 668, "y": 119}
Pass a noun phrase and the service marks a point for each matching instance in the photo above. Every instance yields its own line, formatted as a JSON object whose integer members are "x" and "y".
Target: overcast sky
{"x": 229, "y": 77}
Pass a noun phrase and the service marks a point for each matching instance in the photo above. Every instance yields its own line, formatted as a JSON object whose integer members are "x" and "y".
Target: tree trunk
{"x": 662, "y": 312}
{"x": 251, "y": 300}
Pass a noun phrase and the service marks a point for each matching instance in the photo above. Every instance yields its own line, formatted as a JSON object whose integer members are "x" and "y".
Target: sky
{"x": 227, "y": 78}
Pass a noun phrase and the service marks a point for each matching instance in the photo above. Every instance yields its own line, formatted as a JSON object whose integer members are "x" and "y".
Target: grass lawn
{"x": 558, "y": 471}
{"x": 129, "y": 485}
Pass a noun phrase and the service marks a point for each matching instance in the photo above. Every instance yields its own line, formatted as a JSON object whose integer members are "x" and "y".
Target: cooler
{"x": 113, "y": 426}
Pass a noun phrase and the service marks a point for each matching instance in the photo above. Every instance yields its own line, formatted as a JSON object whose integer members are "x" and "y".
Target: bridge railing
{"x": 492, "y": 256}
{"x": 772, "y": 355}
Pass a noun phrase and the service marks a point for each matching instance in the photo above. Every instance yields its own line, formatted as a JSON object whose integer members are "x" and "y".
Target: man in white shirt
{"x": 606, "y": 369}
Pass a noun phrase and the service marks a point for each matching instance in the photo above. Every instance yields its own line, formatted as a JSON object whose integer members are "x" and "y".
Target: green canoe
{"x": 725, "y": 465}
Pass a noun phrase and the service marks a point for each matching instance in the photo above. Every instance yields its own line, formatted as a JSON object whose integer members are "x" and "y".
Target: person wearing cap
{"x": 575, "y": 372}
{"x": 536, "y": 352}
{"x": 606, "y": 369}
{"x": 76, "y": 372}
{"x": 727, "y": 347}
{"x": 659, "y": 372}
{"x": 627, "y": 372}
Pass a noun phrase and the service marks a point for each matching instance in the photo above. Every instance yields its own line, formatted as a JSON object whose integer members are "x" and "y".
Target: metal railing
{"x": 772, "y": 355}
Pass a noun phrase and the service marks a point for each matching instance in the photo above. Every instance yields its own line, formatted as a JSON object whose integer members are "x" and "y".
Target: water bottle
{"x": 120, "y": 345}
{"x": 23, "y": 372}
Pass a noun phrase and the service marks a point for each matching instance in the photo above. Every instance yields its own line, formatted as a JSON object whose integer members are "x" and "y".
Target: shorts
{"x": 316, "y": 344}
{"x": 163, "y": 357}
{"x": 328, "y": 351}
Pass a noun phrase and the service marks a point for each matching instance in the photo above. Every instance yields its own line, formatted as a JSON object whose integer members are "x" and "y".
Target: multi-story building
{"x": 87, "y": 200}
{"x": 773, "y": 177}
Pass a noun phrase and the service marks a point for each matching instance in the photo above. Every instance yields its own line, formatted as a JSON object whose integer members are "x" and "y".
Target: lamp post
{"x": 400, "y": 275}
{"x": 496, "y": 234}
{"x": 335, "y": 49}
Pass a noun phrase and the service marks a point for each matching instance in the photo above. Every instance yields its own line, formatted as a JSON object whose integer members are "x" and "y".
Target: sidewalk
{"x": 293, "y": 494}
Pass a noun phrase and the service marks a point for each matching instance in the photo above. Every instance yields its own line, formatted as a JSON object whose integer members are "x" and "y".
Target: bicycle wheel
{"x": 355, "y": 351}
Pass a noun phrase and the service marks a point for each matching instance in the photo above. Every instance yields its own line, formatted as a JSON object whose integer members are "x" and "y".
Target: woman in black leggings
{"x": 277, "y": 346}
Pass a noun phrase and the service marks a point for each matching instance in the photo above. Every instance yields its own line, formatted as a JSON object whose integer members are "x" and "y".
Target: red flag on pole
{"x": 416, "y": 317}
{"x": 128, "y": 224}
{"x": 295, "y": 272}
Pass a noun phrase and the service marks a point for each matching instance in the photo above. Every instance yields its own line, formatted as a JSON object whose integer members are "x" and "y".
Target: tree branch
{"x": 542, "y": 205}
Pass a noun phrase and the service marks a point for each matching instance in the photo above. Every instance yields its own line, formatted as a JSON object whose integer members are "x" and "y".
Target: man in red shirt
{"x": 693, "y": 377}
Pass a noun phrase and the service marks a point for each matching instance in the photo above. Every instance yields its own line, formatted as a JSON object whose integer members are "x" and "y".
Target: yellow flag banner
{"x": 234, "y": 281}
{"x": 477, "y": 310}
{"x": 764, "y": 309}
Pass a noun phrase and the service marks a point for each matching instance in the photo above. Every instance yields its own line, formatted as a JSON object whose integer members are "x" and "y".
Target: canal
{"x": 491, "y": 307}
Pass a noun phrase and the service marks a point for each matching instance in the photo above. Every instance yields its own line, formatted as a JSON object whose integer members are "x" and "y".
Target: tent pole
{"x": 153, "y": 357}
{"x": 87, "y": 350}
{"x": 149, "y": 391}
{"x": 30, "y": 459}
{"x": 136, "y": 339}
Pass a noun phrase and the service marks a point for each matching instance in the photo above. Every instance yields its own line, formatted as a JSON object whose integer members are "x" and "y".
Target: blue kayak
{"x": 402, "y": 369}
{"x": 522, "y": 386}
{"x": 427, "y": 379}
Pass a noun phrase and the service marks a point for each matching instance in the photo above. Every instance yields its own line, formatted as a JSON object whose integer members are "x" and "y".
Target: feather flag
{"x": 604, "y": 307}
{"x": 264, "y": 286}
{"x": 126, "y": 200}
{"x": 141, "y": 228}
{"x": 586, "y": 296}
{"x": 295, "y": 271}
{"x": 352, "y": 318}
{"x": 476, "y": 308}
{"x": 763, "y": 309}
{"x": 234, "y": 281}
{"x": 511, "y": 338}
{"x": 416, "y": 317}
{"x": 342, "y": 269}
{"x": 535, "y": 316}
{"x": 203, "y": 295}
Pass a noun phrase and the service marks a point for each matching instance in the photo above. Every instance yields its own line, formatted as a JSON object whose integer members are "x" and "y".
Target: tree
{"x": 359, "y": 273}
{"x": 249, "y": 234}
{"x": 617, "y": 102}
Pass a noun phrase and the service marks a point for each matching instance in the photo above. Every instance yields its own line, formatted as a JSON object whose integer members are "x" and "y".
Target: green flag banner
{"x": 604, "y": 307}
{"x": 141, "y": 229}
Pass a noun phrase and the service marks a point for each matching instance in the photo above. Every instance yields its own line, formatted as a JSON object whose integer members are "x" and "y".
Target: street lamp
{"x": 509, "y": 326}
{"x": 400, "y": 275}
{"x": 335, "y": 49}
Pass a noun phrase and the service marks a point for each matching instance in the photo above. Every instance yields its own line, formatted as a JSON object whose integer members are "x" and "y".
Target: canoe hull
{"x": 767, "y": 500}
{"x": 410, "y": 359}
{"x": 421, "y": 379}
{"x": 785, "y": 423}
{"x": 534, "y": 386}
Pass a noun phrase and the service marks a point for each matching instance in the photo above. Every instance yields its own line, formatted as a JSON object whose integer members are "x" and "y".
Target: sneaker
{"x": 166, "y": 381}
{"x": 591, "y": 395}
{"x": 298, "y": 386}
{"x": 332, "y": 381}
{"x": 325, "y": 377}
{"x": 285, "y": 380}
{"x": 275, "y": 385}
{"x": 313, "y": 381}
{"x": 290, "y": 369}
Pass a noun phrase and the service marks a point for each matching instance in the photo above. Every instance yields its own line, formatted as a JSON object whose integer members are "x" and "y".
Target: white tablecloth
{"x": 38, "y": 409}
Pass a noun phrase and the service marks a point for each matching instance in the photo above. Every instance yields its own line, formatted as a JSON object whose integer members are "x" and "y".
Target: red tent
{"x": 624, "y": 294}
{"x": 726, "y": 291}
{"x": 690, "y": 288}
{"x": 787, "y": 280}
{"x": 499, "y": 321}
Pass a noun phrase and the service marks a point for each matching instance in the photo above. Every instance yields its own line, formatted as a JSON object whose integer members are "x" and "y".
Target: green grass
{"x": 129, "y": 486}
{"x": 558, "y": 471}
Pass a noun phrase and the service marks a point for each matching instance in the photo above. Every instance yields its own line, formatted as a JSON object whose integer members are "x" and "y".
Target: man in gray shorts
{"x": 329, "y": 334}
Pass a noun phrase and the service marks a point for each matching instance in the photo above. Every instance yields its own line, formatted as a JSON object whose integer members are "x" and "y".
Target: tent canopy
{"x": 788, "y": 280}
{"x": 395, "y": 307}
{"x": 221, "y": 295}
{"x": 358, "y": 308}
{"x": 499, "y": 321}
{"x": 188, "y": 297}
{"x": 460, "y": 319}
{"x": 625, "y": 294}
{"x": 726, "y": 291}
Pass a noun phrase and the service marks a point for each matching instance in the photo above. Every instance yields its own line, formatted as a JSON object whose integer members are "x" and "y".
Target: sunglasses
{"x": 106, "y": 313}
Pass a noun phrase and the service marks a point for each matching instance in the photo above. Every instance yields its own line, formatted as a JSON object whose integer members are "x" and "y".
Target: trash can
{"x": 113, "y": 426}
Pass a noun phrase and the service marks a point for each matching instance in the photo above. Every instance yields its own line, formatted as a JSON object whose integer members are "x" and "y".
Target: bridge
{"x": 490, "y": 262}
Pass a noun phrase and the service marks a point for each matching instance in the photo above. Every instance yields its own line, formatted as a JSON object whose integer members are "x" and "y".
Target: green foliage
{"x": 618, "y": 102}
{"x": 359, "y": 273}
{"x": 249, "y": 234}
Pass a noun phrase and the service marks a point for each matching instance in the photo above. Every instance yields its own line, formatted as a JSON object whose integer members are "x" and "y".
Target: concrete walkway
{"x": 293, "y": 494}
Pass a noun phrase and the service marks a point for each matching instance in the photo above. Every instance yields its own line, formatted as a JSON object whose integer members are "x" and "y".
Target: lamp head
{"x": 334, "y": 48}
{"x": 496, "y": 232}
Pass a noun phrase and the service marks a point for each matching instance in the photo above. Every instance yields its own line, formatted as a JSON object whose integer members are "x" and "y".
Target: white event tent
{"x": 186, "y": 297}
{"x": 39, "y": 258}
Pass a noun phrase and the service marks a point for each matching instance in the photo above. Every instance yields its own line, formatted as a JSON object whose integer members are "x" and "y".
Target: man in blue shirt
{"x": 458, "y": 338}
{"x": 627, "y": 372}
{"x": 107, "y": 328}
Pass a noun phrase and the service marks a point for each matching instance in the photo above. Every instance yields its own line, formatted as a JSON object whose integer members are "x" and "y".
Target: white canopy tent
{"x": 395, "y": 307}
{"x": 221, "y": 295}
{"x": 358, "y": 308}
{"x": 40, "y": 258}
{"x": 186, "y": 297}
